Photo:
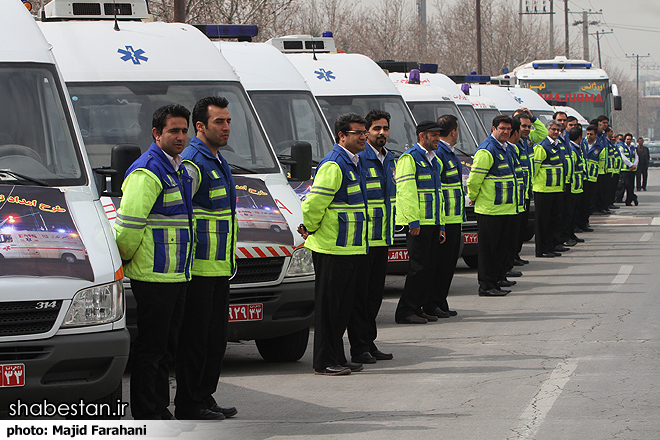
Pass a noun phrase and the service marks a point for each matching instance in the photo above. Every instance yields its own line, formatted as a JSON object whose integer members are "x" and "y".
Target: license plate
{"x": 246, "y": 312}
{"x": 397, "y": 255}
{"x": 470, "y": 238}
{"x": 13, "y": 375}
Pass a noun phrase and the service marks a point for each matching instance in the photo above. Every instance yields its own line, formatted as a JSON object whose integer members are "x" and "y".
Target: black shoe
{"x": 335, "y": 370}
{"x": 429, "y": 318}
{"x": 492, "y": 292}
{"x": 506, "y": 283}
{"x": 636, "y": 202}
{"x": 513, "y": 273}
{"x": 587, "y": 229}
{"x": 364, "y": 358}
{"x": 578, "y": 239}
{"x": 411, "y": 319}
{"x": 613, "y": 207}
{"x": 438, "y": 312}
{"x": 577, "y": 230}
{"x": 227, "y": 412}
{"x": 354, "y": 367}
{"x": 499, "y": 289}
{"x": 570, "y": 242}
{"x": 546, "y": 255}
{"x": 557, "y": 254}
{"x": 379, "y": 355}
{"x": 200, "y": 414}
{"x": 560, "y": 248}
{"x": 518, "y": 262}
{"x": 452, "y": 312}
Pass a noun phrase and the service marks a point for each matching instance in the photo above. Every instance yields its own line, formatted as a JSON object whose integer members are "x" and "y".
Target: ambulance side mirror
{"x": 618, "y": 104}
{"x": 301, "y": 158}
{"x": 121, "y": 158}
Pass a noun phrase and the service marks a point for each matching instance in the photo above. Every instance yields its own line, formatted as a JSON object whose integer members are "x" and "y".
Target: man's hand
{"x": 442, "y": 237}
{"x": 415, "y": 231}
{"x": 471, "y": 203}
{"x": 302, "y": 230}
{"x": 528, "y": 111}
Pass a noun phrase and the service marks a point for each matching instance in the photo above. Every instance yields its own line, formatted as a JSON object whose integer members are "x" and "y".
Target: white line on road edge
{"x": 623, "y": 274}
{"x": 655, "y": 221}
{"x": 646, "y": 236}
{"x": 532, "y": 417}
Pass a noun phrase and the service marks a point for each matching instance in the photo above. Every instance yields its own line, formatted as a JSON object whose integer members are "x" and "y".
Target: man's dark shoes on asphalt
{"x": 438, "y": 312}
{"x": 334, "y": 370}
{"x": 227, "y": 412}
{"x": 411, "y": 319}
{"x": 379, "y": 355}
{"x": 364, "y": 358}
{"x": 492, "y": 292}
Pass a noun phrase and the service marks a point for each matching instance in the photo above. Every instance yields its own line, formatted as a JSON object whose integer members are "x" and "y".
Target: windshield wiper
{"x": 240, "y": 168}
{"x": 24, "y": 177}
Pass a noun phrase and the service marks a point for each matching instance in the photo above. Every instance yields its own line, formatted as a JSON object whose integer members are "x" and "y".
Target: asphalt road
{"x": 571, "y": 353}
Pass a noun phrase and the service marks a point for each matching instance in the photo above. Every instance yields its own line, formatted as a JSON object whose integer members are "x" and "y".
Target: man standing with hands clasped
{"x": 419, "y": 205}
{"x": 334, "y": 229}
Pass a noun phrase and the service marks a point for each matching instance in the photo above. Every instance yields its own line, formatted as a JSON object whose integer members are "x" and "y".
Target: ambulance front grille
{"x": 28, "y": 317}
{"x": 257, "y": 270}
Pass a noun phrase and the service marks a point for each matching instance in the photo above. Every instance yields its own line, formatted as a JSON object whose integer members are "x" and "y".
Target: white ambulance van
{"x": 281, "y": 97}
{"x": 63, "y": 336}
{"x": 485, "y": 108}
{"x": 117, "y": 78}
{"x": 344, "y": 83}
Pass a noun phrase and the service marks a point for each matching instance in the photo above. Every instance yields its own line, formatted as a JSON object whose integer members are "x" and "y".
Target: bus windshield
{"x": 431, "y": 111}
{"x": 590, "y": 98}
{"x": 110, "y": 113}
{"x": 37, "y": 138}
{"x": 402, "y": 126}
{"x": 290, "y": 117}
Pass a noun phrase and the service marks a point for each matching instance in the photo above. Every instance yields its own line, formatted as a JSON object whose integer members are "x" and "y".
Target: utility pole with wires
{"x": 421, "y": 15}
{"x": 566, "y": 28}
{"x": 585, "y": 30}
{"x": 598, "y": 35}
{"x": 479, "y": 58}
{"x": 546, "y": 8}
{"x": 636, "y": 58}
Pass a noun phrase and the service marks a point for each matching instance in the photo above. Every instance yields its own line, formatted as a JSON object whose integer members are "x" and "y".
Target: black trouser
{"x": 202, "y": 343}
{"x": 362, "y": 330}
{"x": 642, "y": 174}
{"x": 558, "y": 228}
{"x": 334, "y": 289}
{"x": 585, "y": 207}
{"x": 494, "y": 247}
{"x": 629, "y": 186}
{"x": 571, "y": 203}
{"x": 159, "y": 310}
{"x": 547, "y": 208}
{"x": 447, "y": 259}
{"x": 512, "y": 242}
{"x": 601, "y": 193}
{"x": 614, "y": 184}
{"x": 423, "y": 275}
{"x": 522, "y": 228}
{"x": 567, "y": 212}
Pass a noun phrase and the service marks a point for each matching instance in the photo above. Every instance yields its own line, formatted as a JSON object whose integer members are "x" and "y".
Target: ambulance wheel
{"x": 69, "y": 258}
{"x": 471, "y": 261}
{"x": 276, "y": 229}
{"x": 287, "y": 348}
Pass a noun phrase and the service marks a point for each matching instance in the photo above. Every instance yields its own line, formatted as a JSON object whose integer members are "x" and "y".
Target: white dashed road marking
{"x": 532, "y": 417}
{"x": 623, "y": 274}
{"x": 655, "y": 221}
{"x": 646, "y": 236}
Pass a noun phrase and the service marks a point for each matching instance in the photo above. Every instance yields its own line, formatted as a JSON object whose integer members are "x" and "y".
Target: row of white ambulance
{"x": 68, "y": 147}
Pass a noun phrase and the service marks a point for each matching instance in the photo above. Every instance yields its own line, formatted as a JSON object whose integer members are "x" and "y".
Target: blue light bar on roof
{"x": 240, "y": 31}
{"x": 428, "y": 68}
{"x": 561, "y": 65}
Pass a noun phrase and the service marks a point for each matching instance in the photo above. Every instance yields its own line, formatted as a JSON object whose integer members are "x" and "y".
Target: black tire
{"x": 276, "y": 229}
{"x": 529, "y": 233}
{"x": 287, "y": 348}
{"x": 69, "y": 258}
{"x": 111, "y": 401}
{"x": 471, "y": 261}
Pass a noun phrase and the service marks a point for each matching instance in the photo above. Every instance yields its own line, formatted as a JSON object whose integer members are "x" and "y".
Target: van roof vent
{"x": 304, "y": 44}
{"x": 95, "y": 10}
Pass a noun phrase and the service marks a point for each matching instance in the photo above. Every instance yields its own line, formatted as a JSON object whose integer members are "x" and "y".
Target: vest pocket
{"x": 377, "y": 224}
{"x": 211, "y": 243}
{"x": 217, "y": 191}
{"x": 170, "y": 249}
{"x": 172, "y": 196}
{"x": 350, "y": 224}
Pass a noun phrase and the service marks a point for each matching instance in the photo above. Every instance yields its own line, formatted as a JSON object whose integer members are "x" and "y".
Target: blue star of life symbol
{"x": 323, "y": 74}
{"x": 133, "y": 55}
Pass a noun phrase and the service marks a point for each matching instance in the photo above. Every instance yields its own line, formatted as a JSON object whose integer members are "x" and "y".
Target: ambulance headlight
{"x": 301, "y": 263}
{"x": 96, "y": 305}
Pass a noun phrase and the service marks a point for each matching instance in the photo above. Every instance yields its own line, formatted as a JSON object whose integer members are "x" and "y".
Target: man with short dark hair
{"x": 451, "y": 178}
{"x": 334, "y": 227}
{"x": 203, "y": 337}
{"x": 154, "y": 236}
{"x": 492, "y": 190}
{"x": 419, "y": 205}
{"x": 562, "y": 119}
{"x": 601, "y": 193}
{"x": 590, "y": 150}
{"x": 576, "y": 185}
{"x": 378, "y": 170}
